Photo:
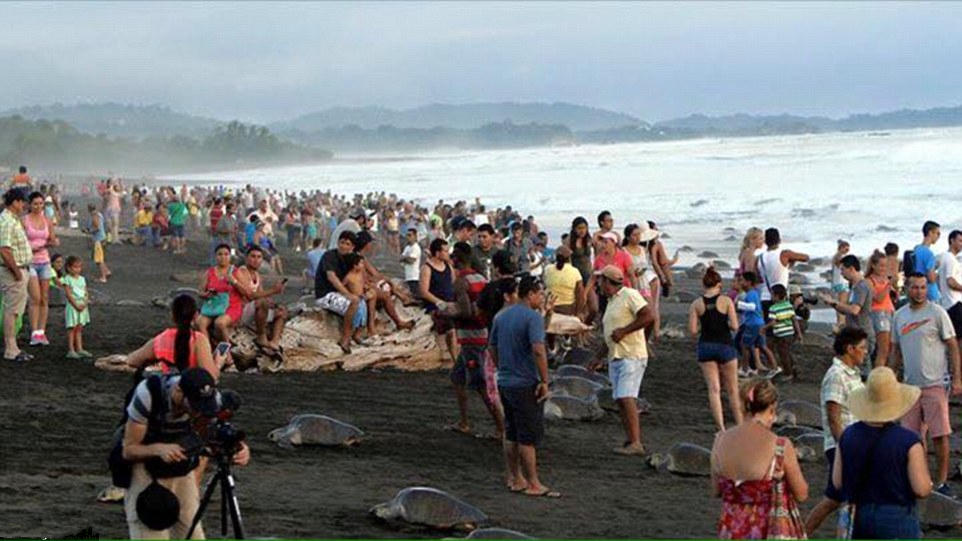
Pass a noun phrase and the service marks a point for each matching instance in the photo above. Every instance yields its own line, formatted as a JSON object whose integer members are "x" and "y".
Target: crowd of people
{"x": 491, "y": 286}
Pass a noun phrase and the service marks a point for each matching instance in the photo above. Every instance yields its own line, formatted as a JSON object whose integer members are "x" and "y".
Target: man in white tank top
{"x": 774, "y": 264}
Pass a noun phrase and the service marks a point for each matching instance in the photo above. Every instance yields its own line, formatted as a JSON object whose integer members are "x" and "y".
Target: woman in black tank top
{"x": 714, "y": 316}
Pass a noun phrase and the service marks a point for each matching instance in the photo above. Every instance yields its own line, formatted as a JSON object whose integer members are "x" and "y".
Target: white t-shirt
{"x": 949, "y": 267}
{"x": 412, "y": 271}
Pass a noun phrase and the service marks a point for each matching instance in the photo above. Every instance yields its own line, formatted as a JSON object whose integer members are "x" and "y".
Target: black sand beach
{"x": 58, "y": 417}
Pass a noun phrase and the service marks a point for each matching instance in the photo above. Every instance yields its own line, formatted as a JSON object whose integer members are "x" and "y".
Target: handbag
{"x": 216, "y": 305}
{"x": 846, "y": 512}
{"x": 784, "y": 520}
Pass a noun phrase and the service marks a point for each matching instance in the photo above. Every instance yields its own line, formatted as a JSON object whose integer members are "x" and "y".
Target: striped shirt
{"x": 472, "y": 331}
{"x": 782, "y": 314}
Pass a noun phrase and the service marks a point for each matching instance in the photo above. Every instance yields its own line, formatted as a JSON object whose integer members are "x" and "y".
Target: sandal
{"x": 546, "y": 493}
{"x": 345, "y": 348}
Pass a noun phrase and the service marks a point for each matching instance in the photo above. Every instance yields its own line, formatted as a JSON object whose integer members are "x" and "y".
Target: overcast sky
{"x": 270, "y": 61}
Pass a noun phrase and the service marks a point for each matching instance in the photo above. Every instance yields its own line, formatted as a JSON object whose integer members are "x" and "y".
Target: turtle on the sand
{"x": 683, "y": 459}
{"x": 805, "y": 413}
{"x": 426, "y": 506}
{"x": 804, "y": 453}
{"x": 815, "y": 440}
{"x": 582, "y": 372}
{"x": 559, "y": 407}
{"x": 575, "y": 386}
{"x": 311, "y": 429}
{"x": 940, "y": 512}
{"x": 497, "y": 533}
{"x": 607, "y": 402}
{"x": 793, "y": 432}
{"x": 580, "y": 356}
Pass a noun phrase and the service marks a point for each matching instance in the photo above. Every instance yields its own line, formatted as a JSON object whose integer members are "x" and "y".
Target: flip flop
{"x": 517, "y": 490}
{"x": 346, "y": 349}
{"x": 548, "y": 493}
{"x": 265, "y": 349}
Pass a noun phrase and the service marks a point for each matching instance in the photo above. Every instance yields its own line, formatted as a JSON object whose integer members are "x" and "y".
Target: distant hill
{"x": 120, "y": 120}
{"x": 462, "y": 117}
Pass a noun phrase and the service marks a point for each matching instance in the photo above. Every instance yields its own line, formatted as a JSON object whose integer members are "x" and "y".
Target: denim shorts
{"x": 626, "y": 376}
{"x": 874, "y": 521}
{"x": 468, "y": 369}
{"x": 177, "y": 230}
{"x": 831, "y": 492}
{"x": 713, "y": 352}
{"x": 42, "y": 271}
{"x": 881, "y": 321}
{"x": 752, "y": 336}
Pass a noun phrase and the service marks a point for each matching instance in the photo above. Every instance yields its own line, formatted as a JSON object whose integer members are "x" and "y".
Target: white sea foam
{"x": 820, "y": 187}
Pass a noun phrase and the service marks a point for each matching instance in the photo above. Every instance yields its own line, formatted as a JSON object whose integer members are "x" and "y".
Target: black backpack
{"x": 908, "y": 262}
{"x": 121, "y": 469}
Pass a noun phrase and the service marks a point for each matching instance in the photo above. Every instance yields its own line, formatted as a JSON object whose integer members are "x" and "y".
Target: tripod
{"x": 228, "y": 501}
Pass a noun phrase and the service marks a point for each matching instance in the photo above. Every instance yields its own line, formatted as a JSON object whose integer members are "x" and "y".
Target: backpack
{"x": 908, "y": 262}
{"x": 121, "y": 470}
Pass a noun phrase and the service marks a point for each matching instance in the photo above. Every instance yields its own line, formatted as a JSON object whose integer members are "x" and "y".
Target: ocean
{"x": 867, "y": 187}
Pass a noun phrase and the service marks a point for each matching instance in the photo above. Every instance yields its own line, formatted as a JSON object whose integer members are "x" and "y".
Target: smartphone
{"x": 223, "y": 348}
{"x": 284, "y": 280}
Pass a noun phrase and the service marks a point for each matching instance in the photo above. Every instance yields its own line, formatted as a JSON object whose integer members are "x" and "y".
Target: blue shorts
{"x": 831, "y": 492}
{"x": 42, "y": 271}
{"x": 752, "y": 336}
{"x": 177, "y": 230}
{"x": 468, "y": 369}
{"x": 626, "y": 376}
{"x": 523, "y": 415}
{"x": 713, "y": 352}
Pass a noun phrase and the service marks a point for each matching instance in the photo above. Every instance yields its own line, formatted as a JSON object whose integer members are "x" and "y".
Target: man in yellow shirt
{"x": 626, "y": 316}
{"x": 142, "y": 221}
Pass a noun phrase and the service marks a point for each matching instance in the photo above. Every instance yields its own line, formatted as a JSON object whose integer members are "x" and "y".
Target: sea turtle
{"x": 804, "y": 453}
{"x": 431, "y": 507}
{"x": 582, "y": 372}
{"x": 793, "y": 432}
{"x": 607, "y": 402}
{"x": 940, "y": 512}
{"x": 580, "y": 356}
{"x": 573, "y": 409}
{"x": 683, "y": 459}
{"x": 806, "y": 413}
{"x": 497, "y": 533}
{"x": 815, "y": 440}
{"x": 311, "y": 429}
{"x": 575, "y": 386}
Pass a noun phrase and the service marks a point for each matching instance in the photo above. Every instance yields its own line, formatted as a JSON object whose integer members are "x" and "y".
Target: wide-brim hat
{"x": 647, "y": 233}
{"x": 883, "y": 398}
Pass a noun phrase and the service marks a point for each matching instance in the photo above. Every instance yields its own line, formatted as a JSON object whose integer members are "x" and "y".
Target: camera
{"x": 224, "y": 438}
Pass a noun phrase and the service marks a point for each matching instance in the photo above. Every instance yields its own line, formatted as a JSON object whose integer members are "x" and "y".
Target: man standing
{"x": 519, "y": 246}
{"x": 472, "y": 334}
{"x": 353, "y": 223}
{"x": 774, "y": 265}
{"x": 411, "y": 262}
{"x": 858, "y": 308}
{"x": 925, "y": 261}
{"x": 840, "y": 380}
{"x": 331, "y": 293}
{"x": 267, "y": 216}
{"x": 950, "y": 281}
{"x": 517, "y": 349}
{"x": 178, "y": 221}
{"x": 16, "y": 254}
{"x": 625, "y": 318}
{"x": 923, "y": 336}
{"x": 484, "y": 250}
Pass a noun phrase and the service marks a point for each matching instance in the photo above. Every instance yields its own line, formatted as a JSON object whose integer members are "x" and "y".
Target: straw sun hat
{"x": 883, "y": 398}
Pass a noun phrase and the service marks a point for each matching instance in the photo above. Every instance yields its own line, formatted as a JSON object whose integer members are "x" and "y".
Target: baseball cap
{"x": 610, "y": 236}
{"x": 200, "y": 390}
{"x": 613, "y": 273}
{"x": 794, "y": 289}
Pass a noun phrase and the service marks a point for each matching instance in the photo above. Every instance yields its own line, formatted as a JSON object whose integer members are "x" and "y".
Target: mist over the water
{"x": 869, "y": 188}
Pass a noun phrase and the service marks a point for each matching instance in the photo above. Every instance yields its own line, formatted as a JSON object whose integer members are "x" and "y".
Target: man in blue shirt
{"x": 517, "y": 349}
{"x": 925, "y": 261}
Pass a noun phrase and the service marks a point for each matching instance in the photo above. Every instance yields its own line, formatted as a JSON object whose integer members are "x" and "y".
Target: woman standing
{"x": 882, "y": 307}
{"x": 639, "y": 240}
{"x": 580, "y": 243}
{"x": 40, "y": 235}
{"x": 881, "y": 467}
{"x": 223, "y": 303}
{"x": 756, "y": 473}
{"x": 563, "y": 281}
{"x": 714, "y": 315}
{"x": 752, "y": 243}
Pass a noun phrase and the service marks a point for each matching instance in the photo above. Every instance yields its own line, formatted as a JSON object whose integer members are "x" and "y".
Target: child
{"x": 354, "y": 281}
{"x": 56, "y": 264}
{"x": 98, "y": 237}
{"x": 73, "y": 220}
{"x": 76, "y": 312}
{"x": 785, "y": 329}
{"x": 839, "y": 285}
{"x": 750, "y": 311}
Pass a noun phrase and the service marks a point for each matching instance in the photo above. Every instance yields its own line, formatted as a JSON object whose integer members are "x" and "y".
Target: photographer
{"x": 159, "y": 440}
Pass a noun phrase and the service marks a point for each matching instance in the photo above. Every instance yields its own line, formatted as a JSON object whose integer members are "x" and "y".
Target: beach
{"x": 59, "y": 416}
